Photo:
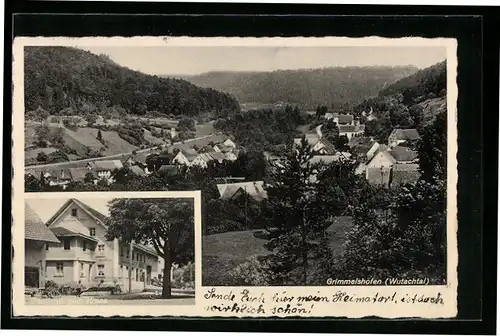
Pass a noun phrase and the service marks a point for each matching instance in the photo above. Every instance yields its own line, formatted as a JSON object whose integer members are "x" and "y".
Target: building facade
{"x": 85, "y": 255}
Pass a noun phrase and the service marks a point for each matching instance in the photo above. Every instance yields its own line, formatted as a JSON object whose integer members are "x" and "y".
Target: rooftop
{"x": 35, "y": 229}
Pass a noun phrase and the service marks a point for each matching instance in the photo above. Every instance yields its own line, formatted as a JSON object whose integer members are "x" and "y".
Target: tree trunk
{"x": 167, "y": 286}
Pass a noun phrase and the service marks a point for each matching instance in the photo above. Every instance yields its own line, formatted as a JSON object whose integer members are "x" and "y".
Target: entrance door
{"x": 31, "y": 277}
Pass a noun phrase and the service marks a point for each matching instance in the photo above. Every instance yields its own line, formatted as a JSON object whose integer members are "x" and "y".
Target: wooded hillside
{"x": 58, "y": 78}
{"x": 335, "y": 87}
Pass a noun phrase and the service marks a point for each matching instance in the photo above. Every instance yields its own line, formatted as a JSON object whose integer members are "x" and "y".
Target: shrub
{"x": 253, "y": 272}
{"x": 50, "y": 284}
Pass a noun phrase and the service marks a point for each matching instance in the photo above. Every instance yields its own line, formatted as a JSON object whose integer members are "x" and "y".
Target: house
{"x": 344, "y": 119}
{"x": 57, "y": 177}
{"x": 383, "y": 159}
{"x": 399, "y": 136}
{"x": 137, "y": 158}
{"x": 360, "y": 146}
{"x": 79, "y": 174}
{"x": 105, "y": 168}
{"x": 254, "y": 189}
{"x": 84, "y": 254}
{"x": 36, "y": 238}
{"x": 351, "y": 131}
{"x": 404, "y": 154}
{"x": 203, "y": 159}
{"x": 185, "y": 157}
{"x": 404, "y": 174}
{"x": 327, "y": 159}
{"x": 318, "y": 145}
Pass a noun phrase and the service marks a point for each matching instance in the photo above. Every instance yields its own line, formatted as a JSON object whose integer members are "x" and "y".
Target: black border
{"x": 477, "y": 32}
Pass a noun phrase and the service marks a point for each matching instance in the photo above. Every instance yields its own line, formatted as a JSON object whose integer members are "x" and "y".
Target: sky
{"x": 180, "y": 60}
{"x": 46, "y": 208}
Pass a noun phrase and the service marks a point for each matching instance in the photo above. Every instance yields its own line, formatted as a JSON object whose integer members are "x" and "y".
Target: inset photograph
{"x": 112, "y": 250}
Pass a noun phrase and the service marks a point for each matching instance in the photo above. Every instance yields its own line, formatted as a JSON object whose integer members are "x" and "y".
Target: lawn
{"x": 222, "y": 252}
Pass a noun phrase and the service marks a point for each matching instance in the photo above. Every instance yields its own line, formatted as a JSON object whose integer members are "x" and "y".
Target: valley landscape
{"x": 304, "y": 173}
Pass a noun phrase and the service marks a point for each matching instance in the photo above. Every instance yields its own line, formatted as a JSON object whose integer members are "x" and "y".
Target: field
{"x": 152, "y": 139}
{"x": 88, "y": 137}
{"x": 222, "y": 252}
{"x": 30, "y": 156}
{"x": 205, "y": 129}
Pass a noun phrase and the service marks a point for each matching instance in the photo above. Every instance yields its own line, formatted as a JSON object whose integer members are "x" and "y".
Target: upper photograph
{"x": 312, "y": 160}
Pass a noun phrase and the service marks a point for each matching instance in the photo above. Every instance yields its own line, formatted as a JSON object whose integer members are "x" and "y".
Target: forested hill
{"x": 412, "y": 102}
{"x": 57, "y": 78}
{"x": 427, "y": 82}
{"x": 309, "y": 88}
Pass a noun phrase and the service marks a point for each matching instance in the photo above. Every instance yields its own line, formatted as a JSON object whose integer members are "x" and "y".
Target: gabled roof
{"x": 327, "y": 159}
{"x": 189, "y": 153}
{"x": 404, "y": 154}
{"x": 351, "y": 128}
{"x": 201, "y": 142}
{"x": 255, "y": 189}
{"x": 405, "y": 134}
{"x": 99, "y": 217}
{"x": 386, "y": 155}
{"x": 58, "y": 174}
{"x": 64, "y": 232}
{"x": 107, "y": 165}
{"x": 212, "y": 156}
{"x": 34, "y": 229}
{"x": 78, "y": 174}
{"x": 311, "y": 139}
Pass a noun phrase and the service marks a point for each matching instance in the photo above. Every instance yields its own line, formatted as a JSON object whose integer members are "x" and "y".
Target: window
{"x": 121, "y": 251}
{"x": 46, "y": 246}
{"x": 100, "y": 247}
{"x": 121, "y": 272}
{"x": 92, "y": 232}
{"x": 60, "y": 269}
{"x": 100, "y": 270}
{"x": 136, "y": 274}
{"x": 67, "y": 244}
{"x": 133, "y": 255}
{"x": 85, "y": 245}
{"x": 82, "y": 270}
{"x": 73, "y": 212}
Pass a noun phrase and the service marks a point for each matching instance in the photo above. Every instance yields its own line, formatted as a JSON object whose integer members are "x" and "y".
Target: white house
{"x": 351, "y": 131}
{"x": 203, "y": 159}
{"x": 105, "y": 168}
{"x": 318, "y": 145}
{"x": 85, "y": 254}
{"x": 185, "y": 157}
{"x": 254, "y": 189}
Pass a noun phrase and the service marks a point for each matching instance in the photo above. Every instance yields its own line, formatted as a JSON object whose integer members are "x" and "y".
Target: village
{"x": 388, "y": 164}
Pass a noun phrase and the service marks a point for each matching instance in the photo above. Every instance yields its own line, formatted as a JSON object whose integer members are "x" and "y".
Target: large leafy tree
{"x": 432, "y": 149}
{"x": 166, "y": 224}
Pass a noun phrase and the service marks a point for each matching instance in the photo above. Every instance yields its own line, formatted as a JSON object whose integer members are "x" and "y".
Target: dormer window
{"x": 92, "y": 232}
{"x": 73, "y": 212}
